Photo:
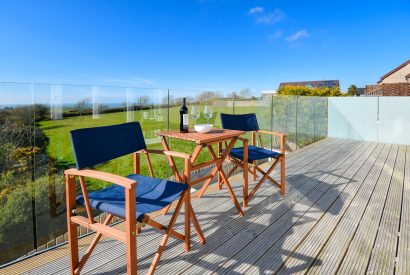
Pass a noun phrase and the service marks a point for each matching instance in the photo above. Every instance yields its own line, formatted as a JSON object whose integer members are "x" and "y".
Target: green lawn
{"x": 309, "y": 124}
{"x": 60, "y": 145}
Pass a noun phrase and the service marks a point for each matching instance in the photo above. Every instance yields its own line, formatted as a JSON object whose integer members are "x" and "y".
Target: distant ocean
{"x": 65, "y": 106}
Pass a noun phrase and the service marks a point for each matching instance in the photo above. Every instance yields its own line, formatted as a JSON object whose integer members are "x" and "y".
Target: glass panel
{"x": 320, "y": 118}
{"x": 305, "y": 121}
{"x": 284, "y": 119}
{"x": 65, "y": 108}
{"x": 353, "y": 118}
{"x": 33, "y": 157}
{"x": 151, "y": 110}
{"x": 394, "y": 117}
{"x": 17, "y": 153}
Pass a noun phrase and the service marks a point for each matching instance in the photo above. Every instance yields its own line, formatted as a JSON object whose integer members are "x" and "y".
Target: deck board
{"x": 109, "y": 248}
{"x": 210, "y": 222}
{"x": 333, "y": 250}
{"x": 347, "y": 211}
{"x": 359, "y": 251}
{"x": 382, "y": 259}
{"x": 255, "y": 216}
{"x": 403, "y": 254}
{"x": 317, "y": 205}
{"x": 275, "y": 221}
{"x": 316, "y": 240}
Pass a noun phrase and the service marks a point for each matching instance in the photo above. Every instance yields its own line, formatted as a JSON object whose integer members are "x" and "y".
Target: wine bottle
{"x": 183, "y": 117}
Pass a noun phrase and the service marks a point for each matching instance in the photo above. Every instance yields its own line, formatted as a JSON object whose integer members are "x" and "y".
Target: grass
{"x": 151, "y": 121}
{"x": 303, "y": 120}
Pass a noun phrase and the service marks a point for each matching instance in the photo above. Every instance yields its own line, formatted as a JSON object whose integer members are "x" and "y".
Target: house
{"x": 394, "y": 83}
{"x": 312, "y": 84}
{"x": 400, "y": 74}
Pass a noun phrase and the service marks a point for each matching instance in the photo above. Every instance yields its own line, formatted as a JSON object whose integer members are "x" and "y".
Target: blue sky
{"x": 204, "y": 44}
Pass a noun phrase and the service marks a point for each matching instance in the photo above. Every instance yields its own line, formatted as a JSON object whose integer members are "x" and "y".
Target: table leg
{"x": 195, "y": 154}
{"x": 218, "y": 163}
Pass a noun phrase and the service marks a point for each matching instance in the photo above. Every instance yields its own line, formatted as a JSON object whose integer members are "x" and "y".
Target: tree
{"x": 207, "y": 96}
{"x": 309, "y": 91}
{"x": 142, "y": 100}
{"x": 245, "y": 93}
{"x": 83, "y": 105}
{"x": 352, "y": 90}
{"x": 335, "y": 91}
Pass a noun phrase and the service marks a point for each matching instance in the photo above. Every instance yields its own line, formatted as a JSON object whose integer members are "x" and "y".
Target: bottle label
{"x": 185, "y": 120}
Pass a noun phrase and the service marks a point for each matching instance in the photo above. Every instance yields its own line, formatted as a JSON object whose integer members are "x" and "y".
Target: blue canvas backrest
{"x": 242, "y": 122}
{"x": 96, "y": 145}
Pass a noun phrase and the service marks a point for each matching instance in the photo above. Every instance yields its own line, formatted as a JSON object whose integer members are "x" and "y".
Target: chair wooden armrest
{"x": 278, "y": 134}
{"x": 282, "y": 137}
{"x": 119, "y": 180}
{"x": 168, "y": 153}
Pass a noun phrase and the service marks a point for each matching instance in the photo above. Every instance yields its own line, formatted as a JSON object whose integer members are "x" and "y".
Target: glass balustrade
{"x": 35, "y": 146}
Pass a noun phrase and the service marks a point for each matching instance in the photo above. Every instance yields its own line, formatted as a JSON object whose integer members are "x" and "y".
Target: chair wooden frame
{"x": 255, "y": 168}
{"x": 132, "y": 227}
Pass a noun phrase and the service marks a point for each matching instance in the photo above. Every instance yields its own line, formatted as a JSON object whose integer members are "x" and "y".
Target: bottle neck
{"x": 184, "y": 101}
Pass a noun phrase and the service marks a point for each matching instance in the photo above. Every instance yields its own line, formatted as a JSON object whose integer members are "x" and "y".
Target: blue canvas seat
{"x": 249, "y": 154}
{"x": 254, "y": 153}
{"x": 152, "y": 195}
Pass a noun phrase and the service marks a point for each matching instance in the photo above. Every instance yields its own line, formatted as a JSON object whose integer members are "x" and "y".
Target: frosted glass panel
{"x": 394, "y": 116}
{"x": 353, "y": 118}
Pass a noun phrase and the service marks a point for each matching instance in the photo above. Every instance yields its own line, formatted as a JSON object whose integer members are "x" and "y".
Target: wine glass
{"x": 195, "y": 112}
{"x": 208, "y": 112}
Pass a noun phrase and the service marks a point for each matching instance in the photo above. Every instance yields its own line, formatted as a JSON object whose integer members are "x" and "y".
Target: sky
{"x": 224, "y": 45}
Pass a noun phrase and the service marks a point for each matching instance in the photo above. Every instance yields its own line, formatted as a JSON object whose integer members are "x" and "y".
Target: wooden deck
{"x": 347, "y": 211}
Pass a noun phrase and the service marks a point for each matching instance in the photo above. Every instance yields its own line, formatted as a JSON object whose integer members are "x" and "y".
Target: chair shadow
{"x": 330, "y": 190}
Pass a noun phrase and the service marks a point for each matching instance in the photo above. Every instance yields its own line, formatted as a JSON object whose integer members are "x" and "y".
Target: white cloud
{"x": 256, "y": 10}
{"x": 297, "y": 35}
{"x": 270, "y": 18}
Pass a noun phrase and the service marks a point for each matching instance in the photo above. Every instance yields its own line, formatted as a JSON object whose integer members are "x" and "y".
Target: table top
{"x": 213, "y": 136}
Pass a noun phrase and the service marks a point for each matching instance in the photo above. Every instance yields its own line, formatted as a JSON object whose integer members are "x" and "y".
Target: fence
{"x": 35, "y": 147}
{"x": 389, "y": 89}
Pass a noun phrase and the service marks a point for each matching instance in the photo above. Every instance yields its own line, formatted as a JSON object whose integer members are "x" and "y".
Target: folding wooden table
{"x": 202, "y": 141}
